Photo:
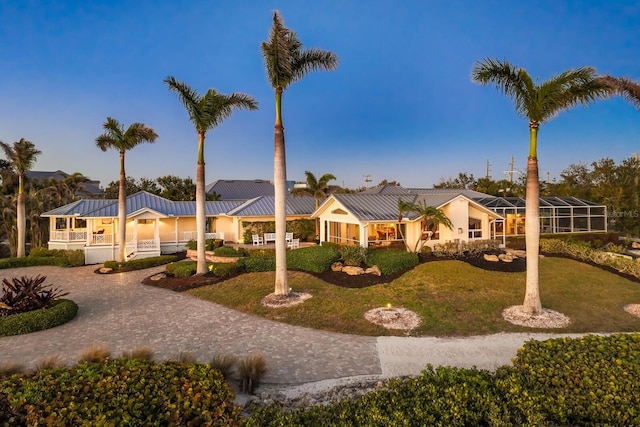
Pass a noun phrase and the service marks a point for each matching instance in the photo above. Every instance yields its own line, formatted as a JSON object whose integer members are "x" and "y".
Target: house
{"x": 88, "y": 189}
{"x": 156, "y": 225}
{"x": 371, "y": 217}
{"x": 243, "y": 189}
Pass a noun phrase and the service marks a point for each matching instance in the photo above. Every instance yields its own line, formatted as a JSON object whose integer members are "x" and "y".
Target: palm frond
{"x": 624, "y": 87}
{"x": 276, "y": 52}
{"x": 191, "y": 100}
{"x": 311, "y": 60}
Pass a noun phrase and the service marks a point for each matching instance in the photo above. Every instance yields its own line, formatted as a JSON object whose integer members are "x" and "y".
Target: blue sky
{"x": 401, "y": 105}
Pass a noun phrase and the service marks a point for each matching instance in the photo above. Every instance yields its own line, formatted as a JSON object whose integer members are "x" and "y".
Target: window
{"x": 475, "y": 228}
{"x": 431, "y": 228}
{"x": 80, "y": 223}
{"x": 61, "y": 223}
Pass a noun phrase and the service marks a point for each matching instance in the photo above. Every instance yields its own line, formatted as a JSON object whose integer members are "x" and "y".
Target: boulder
{"x": 336, "y": 266}
{"x": 352, "y": 271}
{"x": 158, "y": 276}
{"x": 505, "y": 257}
{"x": 517, "y": 253}
{"x": 635, "y": 245}
{"x": 491, "y": 258}
{"x": 105, "y": 270}
{"x": 373, "y": 270}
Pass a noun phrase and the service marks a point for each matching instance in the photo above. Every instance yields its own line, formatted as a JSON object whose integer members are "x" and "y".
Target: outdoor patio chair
{"x": 294, "y": 243}
{"x": 257, "y": 240}
{"x": 288, "y": 237}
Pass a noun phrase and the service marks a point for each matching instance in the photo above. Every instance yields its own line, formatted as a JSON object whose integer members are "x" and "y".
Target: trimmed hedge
{"x": 62, "y": 311}
{"x": 255, "y": 264}
{"x": 33, "y": 261}
{"x": 225, "y": 269}
{"x": 124, "y": 392}
{"x": 392, "y": 261}
{"x": 228, "y": 251}
{"x": 182, "y": 268}
{"x": 139, "y": 264}
{"x": 584, "y": 381}
{"x": 315, "y": 259}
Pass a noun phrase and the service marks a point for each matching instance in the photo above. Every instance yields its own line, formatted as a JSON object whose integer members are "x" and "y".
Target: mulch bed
{"x": 181, "y": 284}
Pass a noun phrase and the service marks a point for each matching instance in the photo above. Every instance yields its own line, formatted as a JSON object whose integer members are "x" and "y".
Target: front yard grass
{"x": 453, "y": 298}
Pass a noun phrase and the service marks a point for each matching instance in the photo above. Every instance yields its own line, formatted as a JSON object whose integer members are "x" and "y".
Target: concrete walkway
{"x": 118, "y": 312}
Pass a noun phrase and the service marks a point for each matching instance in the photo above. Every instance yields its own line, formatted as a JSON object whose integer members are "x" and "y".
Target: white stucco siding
{"x": 458, "y": 213}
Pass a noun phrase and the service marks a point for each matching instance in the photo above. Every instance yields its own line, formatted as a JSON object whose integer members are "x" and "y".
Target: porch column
{"x": 364, "y": 235}
{"x": 156, "y": 233}
{"x": 89, "y": 232}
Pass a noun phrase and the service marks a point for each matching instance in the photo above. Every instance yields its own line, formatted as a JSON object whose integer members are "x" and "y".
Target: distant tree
{"x": 149, "y": 185}
{"x": 21, "y": 155}
{"x": 116, "y": 137}
{"x": 386, "y": 182}
{"x": 206, "y": 112}
{"x": 175, "y": 188}
{"x": 538, "y": 103}
{"x": 464, "y": 181}
{"x": 429, "y": 215}
{"x": 111, "y": 190}
{"x": 286, "y": 62}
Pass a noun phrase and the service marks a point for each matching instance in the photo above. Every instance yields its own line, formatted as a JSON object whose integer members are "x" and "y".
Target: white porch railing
{"x": 193, "y": 235}
{"x": 101, "y": 239}
{"x": 69, "y": 236}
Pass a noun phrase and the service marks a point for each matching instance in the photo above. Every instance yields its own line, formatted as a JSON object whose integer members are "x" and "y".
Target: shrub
{"x": 392, "y": 261}
{"x": 131, "y": 392}
{"x": 141, "y": 353}
{"x": 251, "y": 369}
{"x": 34, "y": 261}
{"x": 192, "y": 245}
{"x": 223, "y": 363}
{"x": 183, "y": 268}
{"x": 225, "y": 269}
{"x": 263, "y": 252}
{"x": 49, "y": 362}
{"x": 590, "y": 380}
{"x": 27, "y": 294}
{"x": 8, "y": 415}
{"x": 228, "y": 251}
{"x": 43, "y": 252}
{"x": 139, "y": 264}
{"x": 61, "y": 311}
{"x": 76, "y": 258}
{"x": 315, "y": 259}
{"x": 9, "y": 368}
{"x": 353, "y": 255}
{"x": 95, "y": 354}
{"x": 258, "y": 264}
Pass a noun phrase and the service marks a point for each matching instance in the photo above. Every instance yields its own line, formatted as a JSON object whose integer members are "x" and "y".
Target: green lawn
{"x": 452, "y": 298}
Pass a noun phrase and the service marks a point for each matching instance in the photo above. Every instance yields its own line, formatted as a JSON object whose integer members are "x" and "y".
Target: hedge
{"x": 315, "y": 259}
{"x": 124, "y": 392}
{"x": 62, "y": 311}
{"x": 392, "y": 261}
{"x": 33, "y": 261}
{"x": 139, "y": 264}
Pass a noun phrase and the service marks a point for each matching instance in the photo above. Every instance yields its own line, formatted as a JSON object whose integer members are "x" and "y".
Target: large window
{"x": 61, "y": 223}
{"x": 475, "y": 228}
{"x": 431, "y": 229}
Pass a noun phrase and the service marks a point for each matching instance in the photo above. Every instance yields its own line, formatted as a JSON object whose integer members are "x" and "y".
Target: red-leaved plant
{"x": 27, "y": 294}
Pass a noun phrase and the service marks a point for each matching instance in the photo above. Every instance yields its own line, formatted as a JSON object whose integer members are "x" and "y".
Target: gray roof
{"x": 89, "y": 187}
{"x": 386, "y": 189}
{"x": 240, "y": 189}
{"x": 520, "y": 202}
{"x": 374, "y": 207}
{"x": 136, "y": 202}
{"x": 398, "y": 191}
{"x": 265, "y": 206}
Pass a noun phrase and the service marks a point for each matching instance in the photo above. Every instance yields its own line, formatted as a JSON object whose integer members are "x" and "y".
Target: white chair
{"x": 257, "y": 240}
{"x": 288, "y": 237}
{"x": 294, "y": 243}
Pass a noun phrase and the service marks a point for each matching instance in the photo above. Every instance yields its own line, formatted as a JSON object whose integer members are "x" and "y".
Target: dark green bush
{"x": 76, "y": 258}
{"x": 182, "y": 268}
{"x": 392, "y": 261}
{"x": 353, "y": 255}
{"x": 34, "y": 261}
{"x": 192, "y": 245}
{"x": 228, "y": 251}
{"x": 225, "y": 269}
{"x": 60, "y": 312}
{"x": 257, "y": 264}
{"x": 139, "y": 264}
{"x": 591, "y": 380}
{"x": 125, "y": 392}
{"x": 265, "y": 252}
{"x": 315, "y": 259}
{"x": 41, "y": 251}
{"x": 8, "y": 415}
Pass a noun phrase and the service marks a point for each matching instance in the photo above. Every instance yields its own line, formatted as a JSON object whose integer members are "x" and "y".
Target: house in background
{"x": 88, "y": 189}
{"x": 243, "y": 189}
{"x": 156, "y": 225}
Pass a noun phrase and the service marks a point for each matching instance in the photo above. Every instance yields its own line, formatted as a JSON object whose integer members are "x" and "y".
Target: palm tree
{"x": 206, "y": 112}
{"x": 116, "y": 137}
{"x": 22, "y": 155}
{"x": 538, "y": 103}
{"x": 286, "y": 62}
{"x": 428, "y": 214}
{"x": 318, "y": 188}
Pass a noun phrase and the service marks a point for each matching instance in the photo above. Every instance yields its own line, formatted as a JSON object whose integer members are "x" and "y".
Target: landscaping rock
{"x": 105, "y": 270}
{"x": 158, "y": 276}
{"x": 352, "y": 271}
{"x": 336, "y": 266}
{"x": 373, "y": 270}
{"x": 635, "y": 245}
{"x": 491, "y": 258}
{"x": 505, "y": 258}
{"x": 517, "y": 253}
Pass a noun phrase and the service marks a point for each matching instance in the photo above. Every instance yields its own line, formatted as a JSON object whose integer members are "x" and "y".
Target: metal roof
{"x": 374, "y": 207}
{"x": 79, "y": 207}
{"x": 520, "y": 202}
{"x": 265, "y": 206}
{"x": 240, "y": 189}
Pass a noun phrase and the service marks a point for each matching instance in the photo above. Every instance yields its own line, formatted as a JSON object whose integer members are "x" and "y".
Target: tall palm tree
{"x": 427, "y": 214}
{"x": 286, "y": 62}
{"x": 538, "y": 103}
{"x": 22, "y": 155}
{"x": 206, "y": 112}
{"x": 116, "y": 137}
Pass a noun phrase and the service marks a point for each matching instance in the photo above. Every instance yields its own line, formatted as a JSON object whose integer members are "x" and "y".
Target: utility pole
{"x": 548, "y": 177}
{"x": 510, "y": 171}
{"x": 367, "y": 180}
{"x": 488, "y": 175}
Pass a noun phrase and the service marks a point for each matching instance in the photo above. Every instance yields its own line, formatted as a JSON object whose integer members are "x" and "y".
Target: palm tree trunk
{"x": 532, "y": 304}
{"x": 122, "y": 211}
{"x": 201, "y": 219}
{"x": 21, "y": 218}
{"x": 280, "y": 187}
